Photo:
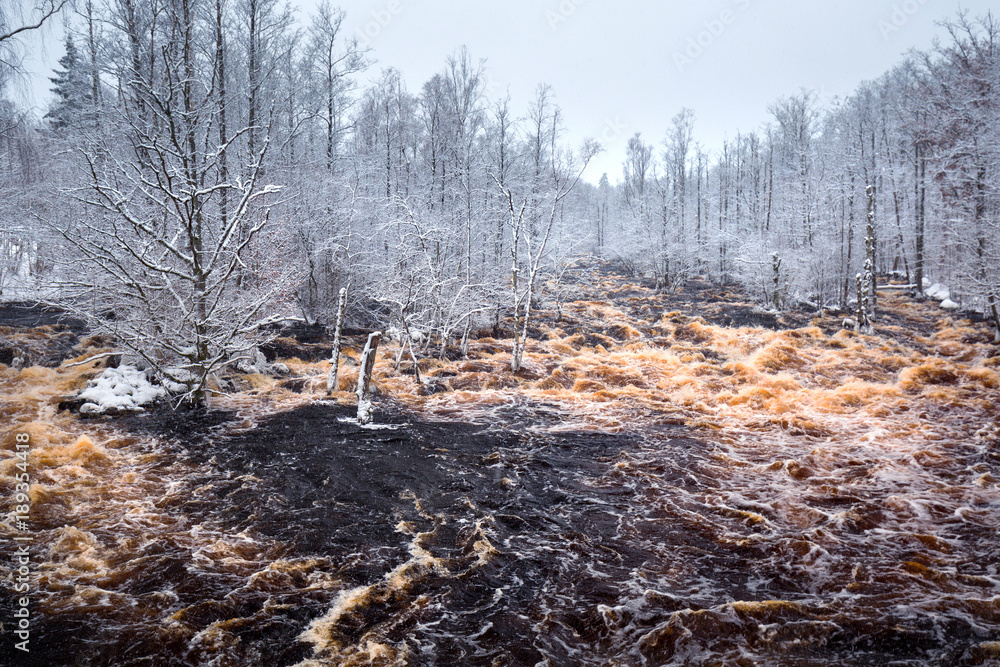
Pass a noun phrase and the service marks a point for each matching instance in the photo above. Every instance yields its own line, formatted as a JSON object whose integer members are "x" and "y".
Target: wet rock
{"x": 133, "y": 360}
{"x": 430, "y": 386}
{"x": 289, "y": 348}
{"x": 71, "y": 403}
{"x": 7, "y": 353}
{"x": 987, "y": 653}
{"x": 298, "y": 385}
{"x": 304, "y": 332}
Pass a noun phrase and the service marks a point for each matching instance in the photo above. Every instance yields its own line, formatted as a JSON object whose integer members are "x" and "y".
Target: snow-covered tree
{"x": 154, "y": 262}
{"x": 72, "y": 87}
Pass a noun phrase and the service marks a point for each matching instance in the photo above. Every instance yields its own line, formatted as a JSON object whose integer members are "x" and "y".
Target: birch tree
{"x": 154, "y": 261}
{"x": 528, "y": 247}
{"x": 333, "y": 59}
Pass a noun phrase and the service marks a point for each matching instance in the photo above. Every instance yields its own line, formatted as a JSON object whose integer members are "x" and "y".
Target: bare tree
{"x": 154, "y": 261}
{"x": 333, "y": 60}
{"x": 15, "y": 22}
{"x": 528, "y": 250}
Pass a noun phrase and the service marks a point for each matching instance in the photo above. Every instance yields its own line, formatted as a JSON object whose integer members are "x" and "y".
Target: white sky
{"x": 623, "y": 67}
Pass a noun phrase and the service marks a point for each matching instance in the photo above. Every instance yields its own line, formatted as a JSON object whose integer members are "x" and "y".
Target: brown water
{"x": 654, "y": 489}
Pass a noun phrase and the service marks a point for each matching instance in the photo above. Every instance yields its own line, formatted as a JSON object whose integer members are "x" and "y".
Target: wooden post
{"x": 365, "y": 378}
{"x": 331, "y": 378}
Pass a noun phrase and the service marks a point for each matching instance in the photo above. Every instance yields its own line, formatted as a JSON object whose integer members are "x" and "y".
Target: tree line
{"x": 208, "y": 166}
{"x": 783, "y": 211}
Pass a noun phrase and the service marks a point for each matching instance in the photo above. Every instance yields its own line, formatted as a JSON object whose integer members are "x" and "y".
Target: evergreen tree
{"x": 72, "y": 106}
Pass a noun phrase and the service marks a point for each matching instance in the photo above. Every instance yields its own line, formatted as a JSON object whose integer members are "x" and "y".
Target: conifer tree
{"x": 72, "y": 87}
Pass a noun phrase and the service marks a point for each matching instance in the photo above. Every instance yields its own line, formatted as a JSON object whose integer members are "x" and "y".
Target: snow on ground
{"x": 938, "y": 292}
{"x": 948, "y": 304}
{"x": 119, "y": 389}
{"x": 177, "y": 380}
{"x": 942, "y": 293}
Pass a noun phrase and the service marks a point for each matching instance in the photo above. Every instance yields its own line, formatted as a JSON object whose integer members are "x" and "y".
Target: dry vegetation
{"x": 811, "y": 405}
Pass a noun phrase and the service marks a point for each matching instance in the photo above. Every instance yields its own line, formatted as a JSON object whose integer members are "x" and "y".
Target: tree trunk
{"x": 850, "y": 243}
{"x": 365, "y": 378}
{"x": 331, "y": 378}
{"x": 870, "y": 278}
{"x": 521, "y": 329}
{"x": 918, "y": 206}
{"x": 252, "y": 75}
{"x": 95, "y": 73}
{"x": 862, "y": 323}
{"x": 776, "y": 268}
{"x": 220, "y": 64}
{"x": 995, "y": 312}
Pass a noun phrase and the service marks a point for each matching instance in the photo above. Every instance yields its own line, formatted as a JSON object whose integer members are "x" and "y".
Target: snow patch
{"x": 178, "y": 380}
{"x": 397, "y": 335}
{"x": 948, "y": 304}
{"x": 364, "y": 410}
{"x": 370, "y": 427}
{"x": 122, "y": 389}
{"x": 938, "y": 292}
{"x": 254, "y": 362}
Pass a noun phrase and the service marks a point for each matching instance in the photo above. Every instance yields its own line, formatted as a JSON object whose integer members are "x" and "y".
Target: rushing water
{"x": 666, "y": 492}
{"x": 443, "y": 543}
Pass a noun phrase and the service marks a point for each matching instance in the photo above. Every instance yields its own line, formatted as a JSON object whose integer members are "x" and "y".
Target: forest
{"x": 734, "y": 405}
{"x": 205, "y": 169}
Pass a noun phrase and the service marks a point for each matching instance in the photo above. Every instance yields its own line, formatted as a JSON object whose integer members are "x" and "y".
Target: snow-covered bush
{"x": 116, "y": 390}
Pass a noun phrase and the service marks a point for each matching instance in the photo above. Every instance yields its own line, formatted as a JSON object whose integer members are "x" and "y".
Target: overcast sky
{"x": 623, "y": 67}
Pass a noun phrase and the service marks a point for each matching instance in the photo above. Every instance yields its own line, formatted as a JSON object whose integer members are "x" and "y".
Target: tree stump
{"x": 365, "y": 378}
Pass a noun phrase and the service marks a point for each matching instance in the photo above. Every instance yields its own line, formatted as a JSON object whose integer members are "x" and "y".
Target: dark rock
{"x": 31, "y": 315}
{"x": 72, "y": 404}
{"x": 290, "y": 348}
{"x": 429, "y": 387}
{"x": 298, "y": 385}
